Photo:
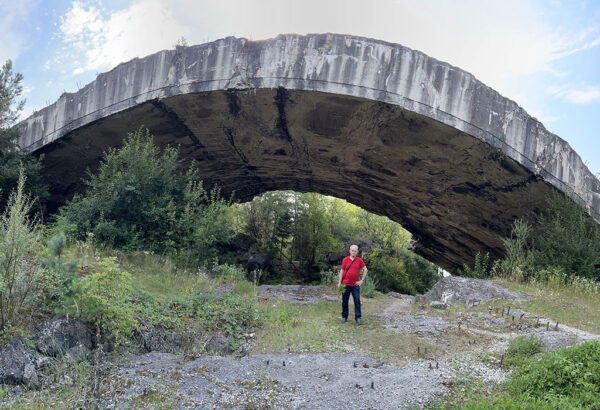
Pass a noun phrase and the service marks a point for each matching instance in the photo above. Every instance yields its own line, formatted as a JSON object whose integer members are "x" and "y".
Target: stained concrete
{"x": 383, "y": 126}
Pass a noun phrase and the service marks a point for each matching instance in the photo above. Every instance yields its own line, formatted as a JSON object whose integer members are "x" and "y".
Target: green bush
{"x": 572, "y": 373}
{"x": 59, "y": 276}
{"x": 480, "y": 269}
{"x": 232, "y": 314}
{"x": 521, "y": 349}
{"x": 389, "y": 272}
{"x": 102, "y": 297}
{"x": 422, "y": 273}
{"x": 139, "y": 200}
{"x": 369, "y": 287}
{"x": 566, "y": 237}
{"x": 19, "y": 273}
{"x": 227, "y": 273}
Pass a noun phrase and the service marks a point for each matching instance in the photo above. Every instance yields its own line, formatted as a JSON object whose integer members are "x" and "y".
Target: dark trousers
{"x": 355, "y": 290}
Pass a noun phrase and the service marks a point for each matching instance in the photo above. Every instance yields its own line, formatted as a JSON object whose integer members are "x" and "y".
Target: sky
{"x": 543, "y": 54}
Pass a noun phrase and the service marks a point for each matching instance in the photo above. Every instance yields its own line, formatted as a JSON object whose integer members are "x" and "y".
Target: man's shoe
{"x": 344, "y": 319}
{"x": 358, "y": 321}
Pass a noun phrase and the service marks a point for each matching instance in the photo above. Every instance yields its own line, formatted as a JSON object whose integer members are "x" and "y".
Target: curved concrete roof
{"x": 384, "y": 126}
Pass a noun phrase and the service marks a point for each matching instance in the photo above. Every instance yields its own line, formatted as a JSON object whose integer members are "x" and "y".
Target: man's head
{"x": 353, "y": 250}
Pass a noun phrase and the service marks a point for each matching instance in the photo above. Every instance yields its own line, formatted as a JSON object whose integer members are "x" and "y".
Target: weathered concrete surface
{"x": 383, "y": 126}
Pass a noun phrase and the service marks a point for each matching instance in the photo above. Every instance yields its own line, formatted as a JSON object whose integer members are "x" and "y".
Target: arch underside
{"x": 456, "y": 194}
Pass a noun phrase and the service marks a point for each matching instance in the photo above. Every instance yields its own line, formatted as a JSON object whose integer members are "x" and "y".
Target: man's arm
{"x": 364, "y": 275}
{"x": 340, "y": 278}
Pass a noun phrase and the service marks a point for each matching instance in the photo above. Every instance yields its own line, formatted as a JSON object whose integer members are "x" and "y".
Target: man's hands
{"x": 339, "y": 284}
{"x": 360, "y": 282}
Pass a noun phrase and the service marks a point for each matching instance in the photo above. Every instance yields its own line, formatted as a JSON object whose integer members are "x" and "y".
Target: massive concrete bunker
{"x": 383, "y": 126}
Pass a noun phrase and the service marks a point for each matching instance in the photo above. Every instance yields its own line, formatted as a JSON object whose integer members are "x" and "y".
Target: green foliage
{"x": 522, "y": 348}
{"x": 481, "y": 268}
{"x": 389, "y": 272}
{"x": 13, "y": 160}
{"x": 137, "y": 200}
{"x": 571, "y": 373}
{"x": 568, "y": 238}
{"x": 103, "y": 298}
{"x": 516, "y": 260}
{"x": 284, "y": 318}
{"x": 19, "y": 274}
{"x": 59, "y": 275}
{"x": 368, "y": 288}
{"x": 421, "y": 273}
{"x": 227, "y": 273}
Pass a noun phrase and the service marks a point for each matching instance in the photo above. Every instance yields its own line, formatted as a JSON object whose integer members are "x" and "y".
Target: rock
{"x": 218, "y": 344}
{"x": 59, "y": 335}
{"x": 159, "y": 339}
{"x": 30, "y": 377}
{"x": 223, "y": 289}
{"x": 259, "y": 262}
{"x": 17, "y": 364}
{"x": 438, "y": 305}
{"x": 458, "y": 289}
{"x": 79, "y": 353}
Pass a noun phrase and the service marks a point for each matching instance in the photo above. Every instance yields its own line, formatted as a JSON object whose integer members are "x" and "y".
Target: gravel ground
{"x": 300, "y": 294}
{"x": 337, "y": 380}
{"x": 307, "y": 381}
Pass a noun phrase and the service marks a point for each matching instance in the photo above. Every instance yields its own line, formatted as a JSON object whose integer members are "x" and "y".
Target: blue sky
{"x": 545, "y": 55}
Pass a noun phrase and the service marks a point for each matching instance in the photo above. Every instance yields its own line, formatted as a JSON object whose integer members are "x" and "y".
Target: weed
{"x": 521, "y": 349}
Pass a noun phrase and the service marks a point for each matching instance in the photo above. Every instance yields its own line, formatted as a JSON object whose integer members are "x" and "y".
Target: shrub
{"x": 522, "y": 348}
{"x": 369, "y": 287}
{"x": 422, "y": 273}
{"x": 572, "y": 372}
{"x": 481, "y": 267}
{"x": 19, "y": 274}
{"x": 567, "y": 237}
{"x": 227, "y": 273}
{"x": 517, "y": 258}
{"x": 102, "y": 297}
{"x": 389, "y": 272}
{"x": 138, "y": 200}
{"x": 59, "y": 276}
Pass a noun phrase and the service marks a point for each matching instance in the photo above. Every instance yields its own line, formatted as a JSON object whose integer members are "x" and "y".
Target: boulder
{"x": 438, "y": 305}
{"x": 17, "y": 364}
{"x": 159, "y": 339}
{"x": 60, "y": 335}
{"x": 218, "y": 344}
{"x": 454, "y": 289}
{"x": 224, "y": 289}
{"x": 259, "y": 262}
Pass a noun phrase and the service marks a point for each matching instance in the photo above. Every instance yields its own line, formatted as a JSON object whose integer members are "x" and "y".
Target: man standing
{"x": 351, "y": 267}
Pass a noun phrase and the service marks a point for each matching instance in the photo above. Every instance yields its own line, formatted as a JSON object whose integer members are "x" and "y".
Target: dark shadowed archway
{"x": 382, "y": 126}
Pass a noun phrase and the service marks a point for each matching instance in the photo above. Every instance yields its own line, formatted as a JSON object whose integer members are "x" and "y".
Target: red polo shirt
{"x": 351, "y": 277}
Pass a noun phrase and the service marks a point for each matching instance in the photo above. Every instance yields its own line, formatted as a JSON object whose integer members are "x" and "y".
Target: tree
{"x": 138, "y": 200}
{"x": 12, "y": 157}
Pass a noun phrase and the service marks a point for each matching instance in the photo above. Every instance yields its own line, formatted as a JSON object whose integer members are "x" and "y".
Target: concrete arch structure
{"x": 383, "y": 126}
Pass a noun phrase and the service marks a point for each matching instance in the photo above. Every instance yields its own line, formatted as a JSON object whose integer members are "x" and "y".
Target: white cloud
{"x": 464, "y": 33}
{"x": 98, "y": 40}
{"x": 13, "y": 25}
{"x": 584, "y": 94}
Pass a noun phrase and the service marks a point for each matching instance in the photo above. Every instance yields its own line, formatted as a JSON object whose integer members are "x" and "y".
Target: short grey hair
{"x": 354, "y": 246}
